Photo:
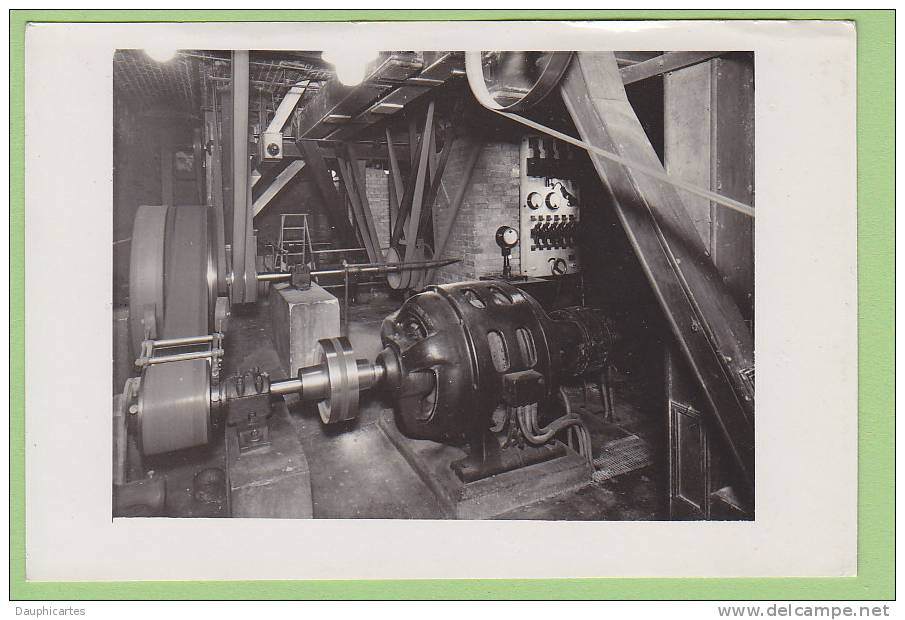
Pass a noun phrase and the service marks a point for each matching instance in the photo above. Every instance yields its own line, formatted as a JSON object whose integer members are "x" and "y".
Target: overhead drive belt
{"x": 475, "y": 72}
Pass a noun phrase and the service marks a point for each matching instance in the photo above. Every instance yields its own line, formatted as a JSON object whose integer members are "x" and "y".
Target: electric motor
{"x": 449, "y": 348}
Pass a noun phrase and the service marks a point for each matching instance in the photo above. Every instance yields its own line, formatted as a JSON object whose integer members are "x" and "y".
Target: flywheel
{"x": 146, "y": 269}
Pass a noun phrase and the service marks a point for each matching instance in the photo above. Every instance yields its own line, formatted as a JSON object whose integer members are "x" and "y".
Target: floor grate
{"x": 621, "y": 456}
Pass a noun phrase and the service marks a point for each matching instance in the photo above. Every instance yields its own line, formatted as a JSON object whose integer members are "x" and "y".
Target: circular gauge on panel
{"x": 555, "y": 200}
{"x": 506, "y": 237}
{"x": 535, "y": 200}
{"x": 559, "y": 197}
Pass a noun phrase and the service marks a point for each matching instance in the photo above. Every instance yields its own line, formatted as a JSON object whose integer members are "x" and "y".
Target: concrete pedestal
{"x": 300, "y": 319}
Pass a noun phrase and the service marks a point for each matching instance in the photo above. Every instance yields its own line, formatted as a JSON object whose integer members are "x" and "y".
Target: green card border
{"x": 876, "y": 326}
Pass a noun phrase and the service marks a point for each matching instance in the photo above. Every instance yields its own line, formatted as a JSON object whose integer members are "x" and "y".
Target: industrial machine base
{"x": 491, "y": 496}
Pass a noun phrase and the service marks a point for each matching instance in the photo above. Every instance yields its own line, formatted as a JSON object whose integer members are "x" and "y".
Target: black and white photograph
{"x": 437, "y": 300}
{"x": 433, "y": 285}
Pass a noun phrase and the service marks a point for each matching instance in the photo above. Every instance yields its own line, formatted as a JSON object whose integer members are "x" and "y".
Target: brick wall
{"x": 491, "y": 201}
{"x": 378, "y": 191}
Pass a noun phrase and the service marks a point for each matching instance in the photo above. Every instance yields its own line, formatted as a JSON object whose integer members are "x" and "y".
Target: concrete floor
{"x": 357, "y": 473}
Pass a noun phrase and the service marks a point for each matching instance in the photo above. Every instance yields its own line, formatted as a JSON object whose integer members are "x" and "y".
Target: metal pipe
{"x": 385, "y": 268}
{"x": 179, "y": 357}
{"x": 361, "y": 282}
{"x": 337, "y": 251}
{"x": 363, "y": 268}
{"x": 358, "y": 143}
{"x": 273, "y": 277}
{"x": 175, "y": 342}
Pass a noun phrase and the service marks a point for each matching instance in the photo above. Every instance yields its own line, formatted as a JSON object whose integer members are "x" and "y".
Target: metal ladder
{"x": 295, "y": 240}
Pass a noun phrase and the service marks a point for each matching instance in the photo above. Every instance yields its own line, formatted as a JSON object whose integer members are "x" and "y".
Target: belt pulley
{"x": 146, "y": 268}
{"x": 173, "y": 294}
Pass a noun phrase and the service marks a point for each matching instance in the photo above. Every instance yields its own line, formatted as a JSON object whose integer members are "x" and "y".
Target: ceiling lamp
{"x": 161, "y": 54}
{"x": 350, "y": 64}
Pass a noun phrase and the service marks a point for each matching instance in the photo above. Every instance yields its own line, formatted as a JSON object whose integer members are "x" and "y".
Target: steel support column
{"x": 282, "y": 179}
{"x": 665, "y": 63}
{"x": 323, "y": 181}
{"x": 705, "y": 319}
{"x": 287, "y": 106}
{"x": 354, "y": 182}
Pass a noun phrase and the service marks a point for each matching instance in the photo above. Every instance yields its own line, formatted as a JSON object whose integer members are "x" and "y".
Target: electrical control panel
{"x": 549, "y": 209}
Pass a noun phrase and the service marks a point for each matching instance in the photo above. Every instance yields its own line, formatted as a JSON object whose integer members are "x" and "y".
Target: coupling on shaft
{"x": 313, "y": 383}
{"x": 334, "y": 384}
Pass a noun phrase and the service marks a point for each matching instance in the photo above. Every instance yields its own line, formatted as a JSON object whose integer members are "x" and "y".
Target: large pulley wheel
{"x": 173, "y": 265}
{"x": 408, "y": 278}
{"x": 174, "y": 406}
{"x": 341, "y": 403}
{"x": 424, "y": 252}
{"x": 394, "y": 278}
{"x": 515, "y": 81}
{"x": 413, "y": 254}
{"x": 190, "y": 281}
{"x": 146, "y": 274}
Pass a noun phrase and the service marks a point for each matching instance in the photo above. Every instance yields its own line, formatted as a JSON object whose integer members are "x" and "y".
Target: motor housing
{"x": 448, "y": 350}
